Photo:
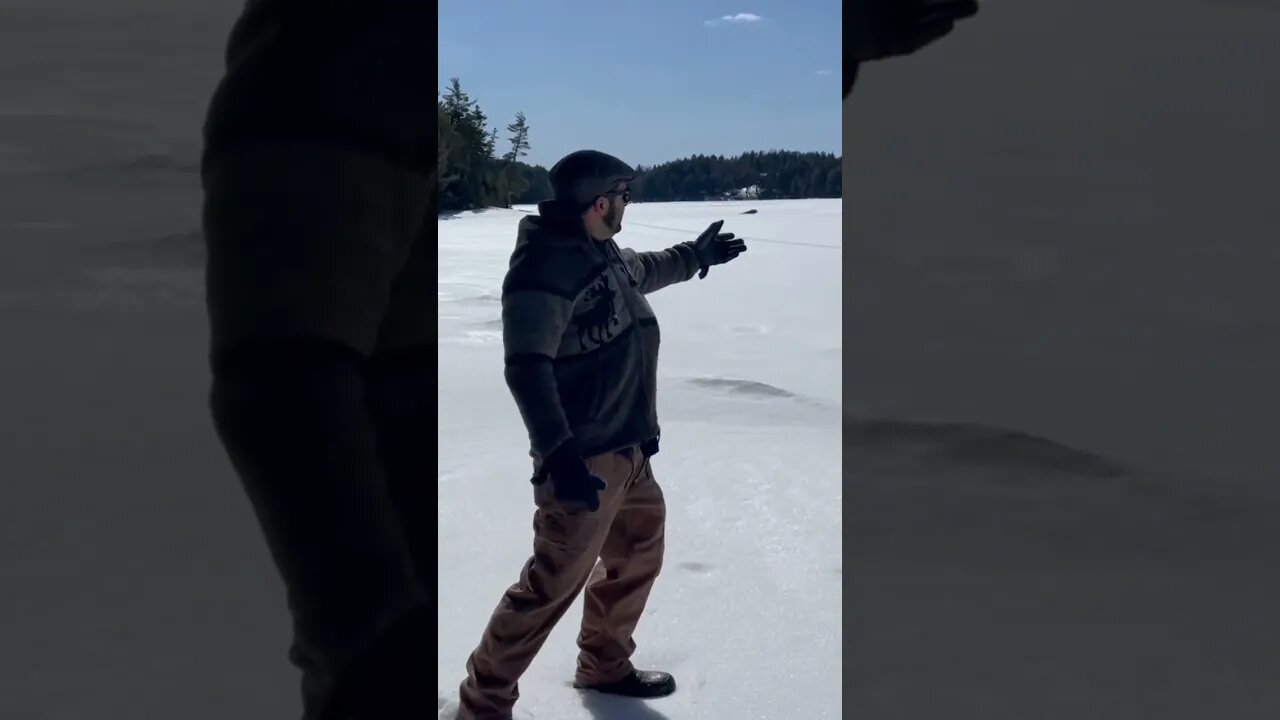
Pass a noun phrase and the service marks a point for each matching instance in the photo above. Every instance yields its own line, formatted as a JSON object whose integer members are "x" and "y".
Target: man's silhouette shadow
{"x": 608, "y": 707}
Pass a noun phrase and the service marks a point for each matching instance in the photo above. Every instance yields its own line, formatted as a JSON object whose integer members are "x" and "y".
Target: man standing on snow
{"x": 581, "y": 351}
{"x": 881, "y": 29}
{"x": 319, "y": 187}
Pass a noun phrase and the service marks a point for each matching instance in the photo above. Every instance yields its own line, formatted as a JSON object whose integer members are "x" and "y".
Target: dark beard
{"x": 612, "y": 221}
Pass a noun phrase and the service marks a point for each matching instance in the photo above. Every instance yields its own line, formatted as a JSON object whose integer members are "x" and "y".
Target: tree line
{"x": 473, "y": 174}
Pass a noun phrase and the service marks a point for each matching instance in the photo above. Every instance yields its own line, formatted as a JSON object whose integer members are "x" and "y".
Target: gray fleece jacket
{"x": 580, "y": 339}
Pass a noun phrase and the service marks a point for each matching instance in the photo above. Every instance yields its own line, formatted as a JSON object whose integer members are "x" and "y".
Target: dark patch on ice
{"x": 752, "y": 211}
{"x": 481, "y": 298}
{"x": 185, "y": 248}
{"x": 696, "y": 567}
{"x": 186, "y": 238}
{"x": 151, "y": 166}
{"x": 147, "y": 162}
{"x": 71, "y": 145}
{"x": 976, "y": 444}
{"x": 747, "y": 329}
{"x": 749, "y": 388}
{"x": 160, "y": 162}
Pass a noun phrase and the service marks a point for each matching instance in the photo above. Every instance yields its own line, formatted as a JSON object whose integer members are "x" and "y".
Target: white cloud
{"x": 737, "y": 19}
{"x": 823, "y": 72}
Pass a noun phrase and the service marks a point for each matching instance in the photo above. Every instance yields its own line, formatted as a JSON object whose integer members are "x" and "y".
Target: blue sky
{"x": 650, "y": 82}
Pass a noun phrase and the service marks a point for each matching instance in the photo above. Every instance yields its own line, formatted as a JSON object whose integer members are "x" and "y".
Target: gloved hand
{"x": 885, "y": 28}
{"x": 716, "y": 248}
{"x": 570, "y": 478}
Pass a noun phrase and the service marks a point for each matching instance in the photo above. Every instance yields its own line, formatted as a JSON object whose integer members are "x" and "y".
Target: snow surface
{"x": 747, "y": 613}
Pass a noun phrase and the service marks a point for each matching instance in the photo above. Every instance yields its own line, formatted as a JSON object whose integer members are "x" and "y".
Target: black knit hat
{"x": 583, "y": 175}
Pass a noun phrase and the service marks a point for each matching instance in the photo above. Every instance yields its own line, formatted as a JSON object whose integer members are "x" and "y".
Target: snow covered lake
{"x": 747, "y": 613}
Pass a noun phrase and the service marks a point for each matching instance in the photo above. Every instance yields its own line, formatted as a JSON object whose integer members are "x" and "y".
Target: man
{"x": 581, "y": 347}
{"x": 318, "y": 174}
{"x": 880, "y": 29}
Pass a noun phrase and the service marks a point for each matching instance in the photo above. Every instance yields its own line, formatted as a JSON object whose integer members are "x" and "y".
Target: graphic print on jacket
{"x": 580, "y": 339}
{"x": 596, "y": 322}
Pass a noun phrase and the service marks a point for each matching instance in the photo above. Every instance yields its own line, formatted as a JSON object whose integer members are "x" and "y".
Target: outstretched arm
{"x": 658, "y": 269}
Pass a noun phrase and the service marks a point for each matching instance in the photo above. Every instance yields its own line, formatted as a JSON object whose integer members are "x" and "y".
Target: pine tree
{"x": 457, "y": 103}
{"x": 519, "y": 138}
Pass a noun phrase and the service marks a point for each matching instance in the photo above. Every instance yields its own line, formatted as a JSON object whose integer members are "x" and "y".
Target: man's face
{"x": 617, "y": 205}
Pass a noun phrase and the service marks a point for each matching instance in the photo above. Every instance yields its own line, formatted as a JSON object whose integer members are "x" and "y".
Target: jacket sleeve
{"x": 658, "y": 269}
{"x": 535, "y": 314}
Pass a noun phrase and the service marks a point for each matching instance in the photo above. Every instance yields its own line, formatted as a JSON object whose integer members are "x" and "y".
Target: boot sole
{"x": 661, "y": 692}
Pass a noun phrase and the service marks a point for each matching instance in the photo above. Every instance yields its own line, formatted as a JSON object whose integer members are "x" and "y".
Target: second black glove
{"x": 570, "y": 477}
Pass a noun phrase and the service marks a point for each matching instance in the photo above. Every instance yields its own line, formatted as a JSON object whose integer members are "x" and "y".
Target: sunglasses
{"x": 626, "y": 195}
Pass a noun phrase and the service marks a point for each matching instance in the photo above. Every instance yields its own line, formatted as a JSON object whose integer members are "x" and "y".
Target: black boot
{"x": 639, "y": 684}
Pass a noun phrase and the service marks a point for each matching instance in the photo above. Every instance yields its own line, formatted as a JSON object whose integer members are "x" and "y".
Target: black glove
{"x": 570, "y": 478}
{"x": 888, "y": 28}
{"x": 716, "y": 248}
